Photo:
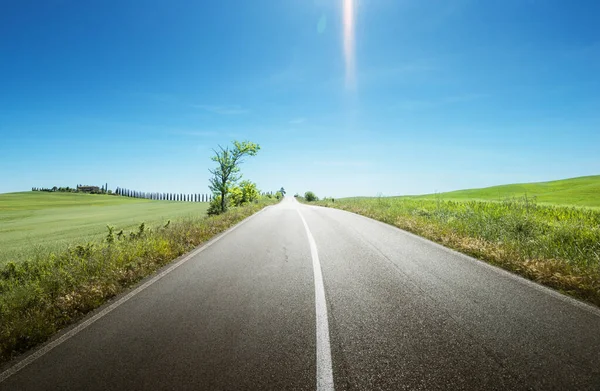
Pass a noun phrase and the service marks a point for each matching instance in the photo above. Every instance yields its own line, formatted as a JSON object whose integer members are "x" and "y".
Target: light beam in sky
{"x": 348, "y": 22}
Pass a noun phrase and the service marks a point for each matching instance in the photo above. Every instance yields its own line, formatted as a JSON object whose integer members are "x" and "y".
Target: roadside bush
{"x": 214, "y": 208}
{"x": 310, "y": 196}
{"x": 235, "y": 196}
{"x": 245, "y": 193}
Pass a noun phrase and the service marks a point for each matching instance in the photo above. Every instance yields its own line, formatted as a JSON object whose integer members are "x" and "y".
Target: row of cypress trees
{"x": 164, "y": 196}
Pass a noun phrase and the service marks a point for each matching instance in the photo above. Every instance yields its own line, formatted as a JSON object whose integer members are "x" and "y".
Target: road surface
{"x": 300, "y": 297}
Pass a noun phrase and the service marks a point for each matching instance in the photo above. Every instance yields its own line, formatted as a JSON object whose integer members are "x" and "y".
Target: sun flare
{"x": 348, "y": 22}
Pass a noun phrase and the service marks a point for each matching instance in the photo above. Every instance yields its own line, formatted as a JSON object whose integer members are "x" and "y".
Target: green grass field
{"x": 582, "y": 191}
{"x": 38, "y": 221}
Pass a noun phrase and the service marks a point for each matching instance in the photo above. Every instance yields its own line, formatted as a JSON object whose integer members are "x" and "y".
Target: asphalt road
{"x": 399, "y": 313}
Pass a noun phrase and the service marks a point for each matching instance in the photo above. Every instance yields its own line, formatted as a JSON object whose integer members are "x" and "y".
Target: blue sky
{"x": 443, "y": 95}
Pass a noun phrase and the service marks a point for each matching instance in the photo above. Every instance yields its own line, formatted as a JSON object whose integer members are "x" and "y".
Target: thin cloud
{"x": 342, "y": 163}
{"x": 464, "y": 98}
{"x": 417, "y": 104}
{"x": 297, "y": 121}
{"x": 223, "y": 110}
{"x": 403, "y": 72}
{"x": 194, "y": 133}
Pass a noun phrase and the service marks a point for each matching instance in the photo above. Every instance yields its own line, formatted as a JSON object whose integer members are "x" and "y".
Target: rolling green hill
{"x": 582, "y": 191}
{"x": 30, "y": 220}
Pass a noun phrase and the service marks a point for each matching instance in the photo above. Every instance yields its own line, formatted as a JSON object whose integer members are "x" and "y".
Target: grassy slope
{"x": 32, "y": 220}
{"x": 583, "y": 191}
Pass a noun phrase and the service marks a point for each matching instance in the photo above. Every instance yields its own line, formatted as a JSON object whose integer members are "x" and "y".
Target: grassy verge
{"x": 558, "y": 246}
{"x": 38, "y": 297}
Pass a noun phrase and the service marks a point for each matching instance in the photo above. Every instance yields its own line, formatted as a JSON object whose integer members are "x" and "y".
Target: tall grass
{"x": 52, "y": 289}
{"x": 558, "y": 246}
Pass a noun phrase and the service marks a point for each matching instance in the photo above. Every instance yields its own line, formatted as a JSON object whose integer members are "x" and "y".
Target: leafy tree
{"x": 282, "y": 190}
{"x": 278, "y": 195}
{"x": 228, "y": 168}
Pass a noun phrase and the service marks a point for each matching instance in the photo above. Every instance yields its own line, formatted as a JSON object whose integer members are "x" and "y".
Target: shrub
{"x": 245, "y": 193}
{"x": 236, "y": 196}
{"x": 310, "y": 196}
{"x": 214, "y": 208}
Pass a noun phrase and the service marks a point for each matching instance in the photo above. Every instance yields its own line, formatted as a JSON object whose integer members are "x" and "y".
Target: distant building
{"x": 88, "y": 189}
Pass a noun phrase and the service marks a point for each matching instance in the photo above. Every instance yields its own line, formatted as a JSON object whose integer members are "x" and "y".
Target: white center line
{"x": 324, "y": 369}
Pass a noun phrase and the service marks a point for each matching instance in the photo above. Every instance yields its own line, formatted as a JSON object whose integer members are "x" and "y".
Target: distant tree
{"x": 310, "y": 196}
{"x": 282, "y": 191}
{"x": 228, "y": 168}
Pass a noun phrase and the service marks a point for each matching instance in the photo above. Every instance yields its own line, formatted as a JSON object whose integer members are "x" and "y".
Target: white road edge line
{"x": 82, "y": 326}
{"x": 324, "y": 366}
